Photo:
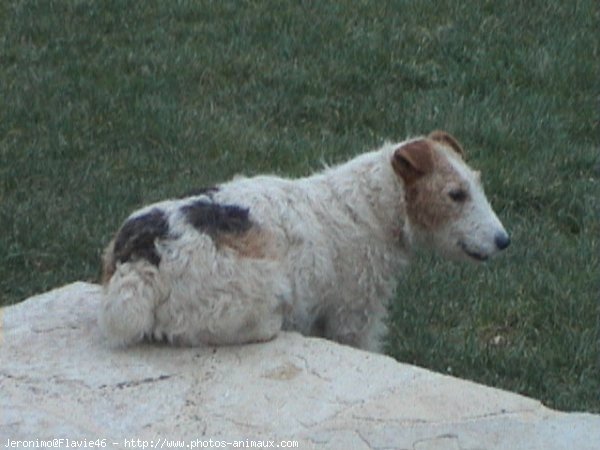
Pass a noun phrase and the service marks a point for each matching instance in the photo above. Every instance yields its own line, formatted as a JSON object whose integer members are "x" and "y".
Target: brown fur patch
{"x": 448, "y": 140}
{"x": 428, "y": 204}
{"x": 413, "y": 160}
{"x": 254, "y": 243}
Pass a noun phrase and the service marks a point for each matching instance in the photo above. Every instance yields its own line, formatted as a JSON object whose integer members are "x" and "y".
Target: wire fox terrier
{"x": 239, "y": 262}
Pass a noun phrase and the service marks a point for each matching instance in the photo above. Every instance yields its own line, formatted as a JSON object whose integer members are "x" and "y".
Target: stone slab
{"x": 58, "y": 380}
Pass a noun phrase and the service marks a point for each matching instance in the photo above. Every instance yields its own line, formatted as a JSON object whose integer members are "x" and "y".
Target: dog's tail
{"x": 132, "y": 282}
{"x": 130, "y": 299}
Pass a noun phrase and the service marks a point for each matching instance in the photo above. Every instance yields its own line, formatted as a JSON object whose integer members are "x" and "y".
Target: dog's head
{"x": 445, "y": 202}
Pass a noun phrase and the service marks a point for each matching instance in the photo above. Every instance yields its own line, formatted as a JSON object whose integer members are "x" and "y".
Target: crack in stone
{"x": 502, "y": 412}
{"x": 237, "y": 422}
{"x": 368, "y": 444}
{"x": 442, "y": 437}
{"x": 462, "y": 420}
{"x": 135, "y": 383}
{"x": 51, "y": 330}
{"x": 56, "y": 379}
{"x": 312, "y": 371}
{"x": 335, "y": 414}
{"x": 403, "y": 421}
{"x": 364, "y": 439}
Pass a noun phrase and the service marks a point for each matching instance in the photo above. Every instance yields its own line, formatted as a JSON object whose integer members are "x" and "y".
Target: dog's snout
{"x": 502, "y": 240}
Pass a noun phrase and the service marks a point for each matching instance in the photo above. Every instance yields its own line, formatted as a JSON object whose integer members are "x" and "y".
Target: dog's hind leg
{"x": 232, "y": 315}
{"x": 243, "y": 320}
{"x": 130, "y": 299}
{"x": 362, "y": 329}
{"x": 222, "y": 299}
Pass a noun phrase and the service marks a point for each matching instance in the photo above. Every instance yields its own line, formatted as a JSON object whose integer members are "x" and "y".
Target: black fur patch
{"x": 136, "y": 237}
{"x": 213, "y": 218}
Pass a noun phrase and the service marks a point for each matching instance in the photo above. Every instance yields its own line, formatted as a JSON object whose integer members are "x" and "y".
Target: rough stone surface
{"x": 58, "y": 380}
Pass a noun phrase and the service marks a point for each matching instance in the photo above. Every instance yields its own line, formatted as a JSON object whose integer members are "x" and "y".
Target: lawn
{"x": 108, "y": 105}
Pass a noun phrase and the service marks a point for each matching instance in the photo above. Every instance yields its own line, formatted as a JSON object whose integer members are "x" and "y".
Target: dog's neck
{"x": 370, "y": 191}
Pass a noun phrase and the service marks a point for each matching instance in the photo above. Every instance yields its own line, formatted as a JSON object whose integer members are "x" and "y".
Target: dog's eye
{"x": 458, "y": 195}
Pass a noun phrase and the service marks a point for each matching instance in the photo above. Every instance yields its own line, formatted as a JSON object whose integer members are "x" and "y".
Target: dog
{"x": 238, "y": 262}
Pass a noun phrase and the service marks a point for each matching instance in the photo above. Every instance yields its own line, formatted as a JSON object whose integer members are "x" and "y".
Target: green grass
{"x": 107, "y": 105}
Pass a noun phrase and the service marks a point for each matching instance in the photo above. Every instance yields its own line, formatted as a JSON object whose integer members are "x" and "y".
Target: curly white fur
{"x": 319, "y": 255}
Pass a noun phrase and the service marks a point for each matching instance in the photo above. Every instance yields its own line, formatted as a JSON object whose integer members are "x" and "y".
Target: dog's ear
{"x": 413, "y": 160}
{"x": 448, "y": 140}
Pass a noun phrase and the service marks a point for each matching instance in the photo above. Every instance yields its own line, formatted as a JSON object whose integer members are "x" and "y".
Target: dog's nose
{"x": 502, "y": 240}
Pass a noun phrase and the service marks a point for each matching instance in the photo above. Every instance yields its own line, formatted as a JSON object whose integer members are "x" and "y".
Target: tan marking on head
{"x": 427, "y": 201}
{"x": 448, "y": 140}
{"x": 413, "y": 160}
{"x": 254, "y": 243}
